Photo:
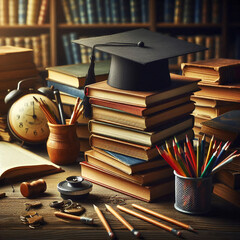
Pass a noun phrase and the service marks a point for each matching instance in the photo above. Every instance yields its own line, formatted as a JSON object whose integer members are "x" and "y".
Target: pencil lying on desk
{"x": 104, "y": 222}
{"x": 150, "y": 220}
{"x": 161, "y": 216}
{"x": 123, "y": 221}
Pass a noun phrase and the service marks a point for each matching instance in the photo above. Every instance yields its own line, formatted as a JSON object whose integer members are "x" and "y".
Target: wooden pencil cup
{"x": 63, "y": 145}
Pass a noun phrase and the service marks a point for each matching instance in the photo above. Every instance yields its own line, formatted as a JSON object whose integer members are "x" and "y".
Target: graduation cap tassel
{"x": 90, "y": 78}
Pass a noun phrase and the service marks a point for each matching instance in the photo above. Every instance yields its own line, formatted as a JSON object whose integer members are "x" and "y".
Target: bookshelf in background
{"x": 219, "y": 18}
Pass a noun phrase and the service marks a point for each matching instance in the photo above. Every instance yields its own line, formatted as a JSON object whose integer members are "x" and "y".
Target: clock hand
{"x": 34, "y": 115}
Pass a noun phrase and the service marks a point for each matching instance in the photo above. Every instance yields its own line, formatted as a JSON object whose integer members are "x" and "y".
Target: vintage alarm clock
{"x": 25, "y": 119}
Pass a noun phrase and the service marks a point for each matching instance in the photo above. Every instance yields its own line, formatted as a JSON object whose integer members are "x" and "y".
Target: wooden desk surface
{"x": 222, "y": 222}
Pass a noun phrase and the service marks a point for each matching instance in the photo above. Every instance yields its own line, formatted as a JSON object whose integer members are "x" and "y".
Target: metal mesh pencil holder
{"x": 193, "y": 195}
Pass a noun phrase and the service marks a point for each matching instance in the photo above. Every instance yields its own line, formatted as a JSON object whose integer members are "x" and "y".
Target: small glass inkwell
{"x": 74, "y": 187}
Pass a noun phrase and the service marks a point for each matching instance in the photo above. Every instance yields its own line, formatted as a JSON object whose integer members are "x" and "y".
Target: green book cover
{"x": 80, "y": 70}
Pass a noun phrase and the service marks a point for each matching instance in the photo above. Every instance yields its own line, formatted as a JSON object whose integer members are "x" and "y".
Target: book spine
{"x": 82, "y": 8}
{"x": 191, "y": 56}
{"x": 28, "y": 42}
{"x": 37, "y": 51}
{"x": 115, "y": 11}
{"x": 66, "y": 89}
{"x": 135, "y": 11}
{"x": 18, "y": 41}
{"x": 205, "y": 11}
{"x": 3, "y": 12}
{"x": 178, "y": 11}
{"x": 2, "y": 41}
{"x": 216, "y": 11}
{"x": 145, "y": 11}
{"x": 45, "y": 45}
{"x": 32, "y": 11}
{"x": 199, "y": 39}
{"x": 9, "y": 41}
{"x": 74, "y": 11}
{"x": 67, "y": 12}
{"x": 84, "y": 54}
{"x": 217, "y": 40}
{"x": 108, "y": 12}
{"x": 188, "y": 11}
{"x": 209, "y": 43}
{"x": 100, "y": 11}
{"x": 22, "y": 11}
{"x": 13, "y": 12}
{"x": 125, "y": 11}
{"x": 198, "y": 11}
{"x": 91, "y": 11}
{"x": 67, "y": 48}
{"x": 168, "y": 11}
{"x": 43, "y": 12}
{"x": 75, "y": 48}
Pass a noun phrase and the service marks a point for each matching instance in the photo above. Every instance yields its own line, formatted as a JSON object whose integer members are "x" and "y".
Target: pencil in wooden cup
{"x": 150, "y": 220}
{"x": 161, "y": 216}
{"x": 123, "y": 221}
{"x": 104, "y": 222}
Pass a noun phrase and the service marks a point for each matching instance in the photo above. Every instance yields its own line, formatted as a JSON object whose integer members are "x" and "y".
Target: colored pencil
{"x": 168, "y": 160}
{"x": 198, "y": 156}
{"x": 209, "y": 152}
{"x": 222, "y": 152}
{"x": 202, "y": 153}
{"x": 161, "y": 216}
{"x": 209, "y": 166}
{"x": 188, "y": 159}
{"x": 192, "y": 153}
{"x": 104, "y": 222}
{"x": 123, "y": 221}
{"x": 223, "y": 163}
{"x": 150, "y": 220}
{"x": 179, "y": 160}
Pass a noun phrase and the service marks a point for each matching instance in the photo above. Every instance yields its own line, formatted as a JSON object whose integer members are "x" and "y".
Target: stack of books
{"x": 70, "y": 81}
{"x": 125, "y": 128}
{"x": 5, "y": 134}
{"x": 220, "y": 88}
{"x": 227, "y": 184}
{"x": 15, "y": 64}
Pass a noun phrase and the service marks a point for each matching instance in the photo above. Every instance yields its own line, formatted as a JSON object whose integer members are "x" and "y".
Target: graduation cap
{"x": 139, "y": 58}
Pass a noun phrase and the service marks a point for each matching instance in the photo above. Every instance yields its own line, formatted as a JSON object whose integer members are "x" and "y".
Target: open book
{"x": 17, "y": 162}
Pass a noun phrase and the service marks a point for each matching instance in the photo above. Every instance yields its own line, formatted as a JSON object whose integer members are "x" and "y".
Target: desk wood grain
{"x": 222, "y": 222}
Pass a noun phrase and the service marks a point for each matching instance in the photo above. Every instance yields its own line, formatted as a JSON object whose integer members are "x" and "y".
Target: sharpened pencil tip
{"x": 191, "y": 229}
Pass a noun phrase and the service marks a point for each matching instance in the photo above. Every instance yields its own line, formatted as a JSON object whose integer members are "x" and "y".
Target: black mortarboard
{"x": 139, "y": 58}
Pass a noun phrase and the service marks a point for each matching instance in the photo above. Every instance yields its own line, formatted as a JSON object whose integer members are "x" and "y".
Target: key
{"x": 30, "y": 205}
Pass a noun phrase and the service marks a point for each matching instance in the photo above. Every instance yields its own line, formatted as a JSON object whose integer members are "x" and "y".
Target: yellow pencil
{"x": 104, "y": 222}
{"x": 209, "y": 152}
{"x": 123, "y": 221}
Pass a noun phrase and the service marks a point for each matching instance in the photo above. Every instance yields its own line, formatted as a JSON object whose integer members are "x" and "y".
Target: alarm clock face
{"x": 26, "y": 120}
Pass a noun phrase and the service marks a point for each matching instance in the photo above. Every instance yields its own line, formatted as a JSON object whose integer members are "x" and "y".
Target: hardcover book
{"x": 140, "y": 137}
{"x": 132, "y": 149}
{"x": 180, "y": 85}
{"x": 230, "y": 93}
{"x": 225, "y": 127}
{"x": 76, "y": 92}
{"x": 144, "y": 193}
{"x": 124, "y": 163}
{"x": 122, "y": 118}
{"x": 213, "y": 71}
{"x": 142, "y": 111}
{"x": 75, "y": 74}
{"x": 144, "y": 177}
